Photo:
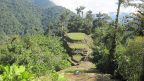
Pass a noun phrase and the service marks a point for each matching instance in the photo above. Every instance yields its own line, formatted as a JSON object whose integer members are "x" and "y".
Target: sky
{"x": 104, "y": 6}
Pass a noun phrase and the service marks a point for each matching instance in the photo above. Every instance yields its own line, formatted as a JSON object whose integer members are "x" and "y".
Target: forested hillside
{"x": 27, "y": 17}
{"x": 19, "y": 17}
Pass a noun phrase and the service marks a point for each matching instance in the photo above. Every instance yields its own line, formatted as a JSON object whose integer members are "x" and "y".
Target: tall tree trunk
{"x": 112, "y": 61}
{"x": 117, "y": 16}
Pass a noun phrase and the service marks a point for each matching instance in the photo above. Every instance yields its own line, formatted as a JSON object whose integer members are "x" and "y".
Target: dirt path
{"x": 81, "y": 77}
{"x": 86, "y": 66}
{"x": 86, "y": 71}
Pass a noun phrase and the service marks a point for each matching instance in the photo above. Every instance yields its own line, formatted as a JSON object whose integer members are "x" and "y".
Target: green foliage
{"x": 43, "y": 3}
{"x": 75, "y": 24}
{"x": 19, "y": 17}
{"x": 28, "y": 17}
{"x": 45, "y": 54}
{"x": 129, "y": 52}
{"x": 14, "y": 73}
{"x": 58, "y": 77}
{"x": 103, "y": 38}
{"x": 40, "y": 53}
{"x": 79, "y": 24}
{"x": 101, "y": 20}
{"x": 130, "y": 59}
{"x": 54, "y": 18}
{"x": 103, "y": 35}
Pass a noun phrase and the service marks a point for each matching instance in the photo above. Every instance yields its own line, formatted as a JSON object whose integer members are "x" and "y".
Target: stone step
{"x": 73, "y": 62}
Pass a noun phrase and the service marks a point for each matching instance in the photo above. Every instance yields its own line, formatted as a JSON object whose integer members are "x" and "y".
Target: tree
{"x": 89, "y": 15}
{"x": 131, "y": 60}
{"x": 63, "y": 19}
{"x": 80, "y": 10}
{"x": 136, "y": 20}
{"x": 140, "y": 17}
{"x": 89, "y": 22}
{"x": 101, "y": 20}
{"x": 49, "y": 31}
{"x": 112, "y": 60}
{"x": 76, "y": 24}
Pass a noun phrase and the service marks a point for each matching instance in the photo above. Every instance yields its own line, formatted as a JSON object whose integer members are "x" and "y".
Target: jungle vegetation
{"x": 31, "y": 43}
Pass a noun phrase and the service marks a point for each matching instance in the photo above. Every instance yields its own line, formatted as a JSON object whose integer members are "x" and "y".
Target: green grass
{"x": 77, "y": 57}
{"x": 76, "y": 36}
{"x": 77, "y": 46}
{"x": 3, "y": 46}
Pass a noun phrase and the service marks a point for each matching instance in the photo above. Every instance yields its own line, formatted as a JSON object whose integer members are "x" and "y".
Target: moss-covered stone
{"x": 78, "y": 45}
{"x": 77, "y": 57}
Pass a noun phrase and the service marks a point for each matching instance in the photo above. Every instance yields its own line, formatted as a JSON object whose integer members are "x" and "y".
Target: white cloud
{"x": 105, "y": 6}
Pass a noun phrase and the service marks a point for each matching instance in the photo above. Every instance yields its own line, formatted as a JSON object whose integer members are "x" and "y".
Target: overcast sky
{"x": 105, "y": 6}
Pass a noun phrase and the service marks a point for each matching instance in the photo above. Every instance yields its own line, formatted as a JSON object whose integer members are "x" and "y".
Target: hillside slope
{"x": 19, "y": 17}
{"x": 22, "y": 17}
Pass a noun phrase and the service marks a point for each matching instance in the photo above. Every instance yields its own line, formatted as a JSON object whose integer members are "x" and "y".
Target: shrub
{"x": 14, "y": 73}
{"x": 102, "y": 40}
{"x": 130, "y": 60}
{"x": 39, "y": 53}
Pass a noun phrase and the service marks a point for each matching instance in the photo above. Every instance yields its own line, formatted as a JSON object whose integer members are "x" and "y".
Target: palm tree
{"x": 80, "y": 10}
{"x": 139, "y": 16}
{"x": 113, "y": 63}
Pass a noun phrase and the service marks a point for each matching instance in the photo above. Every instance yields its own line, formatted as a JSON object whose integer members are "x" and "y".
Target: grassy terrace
{"x": 77, "y": 46}
{"x": 76, "y": 36}
{"x": 77, "y": 57}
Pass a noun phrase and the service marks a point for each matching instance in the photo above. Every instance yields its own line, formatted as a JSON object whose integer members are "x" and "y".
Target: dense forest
{"x": 27, "y": 17}
{"x": 32, "y": 46}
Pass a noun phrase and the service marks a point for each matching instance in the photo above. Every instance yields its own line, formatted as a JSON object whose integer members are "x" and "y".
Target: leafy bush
{"x": 14, "y": 73}
{"x": 102, "y": 40}
{"x": 131, "y": 59}
{"x": 39, "y": 53}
